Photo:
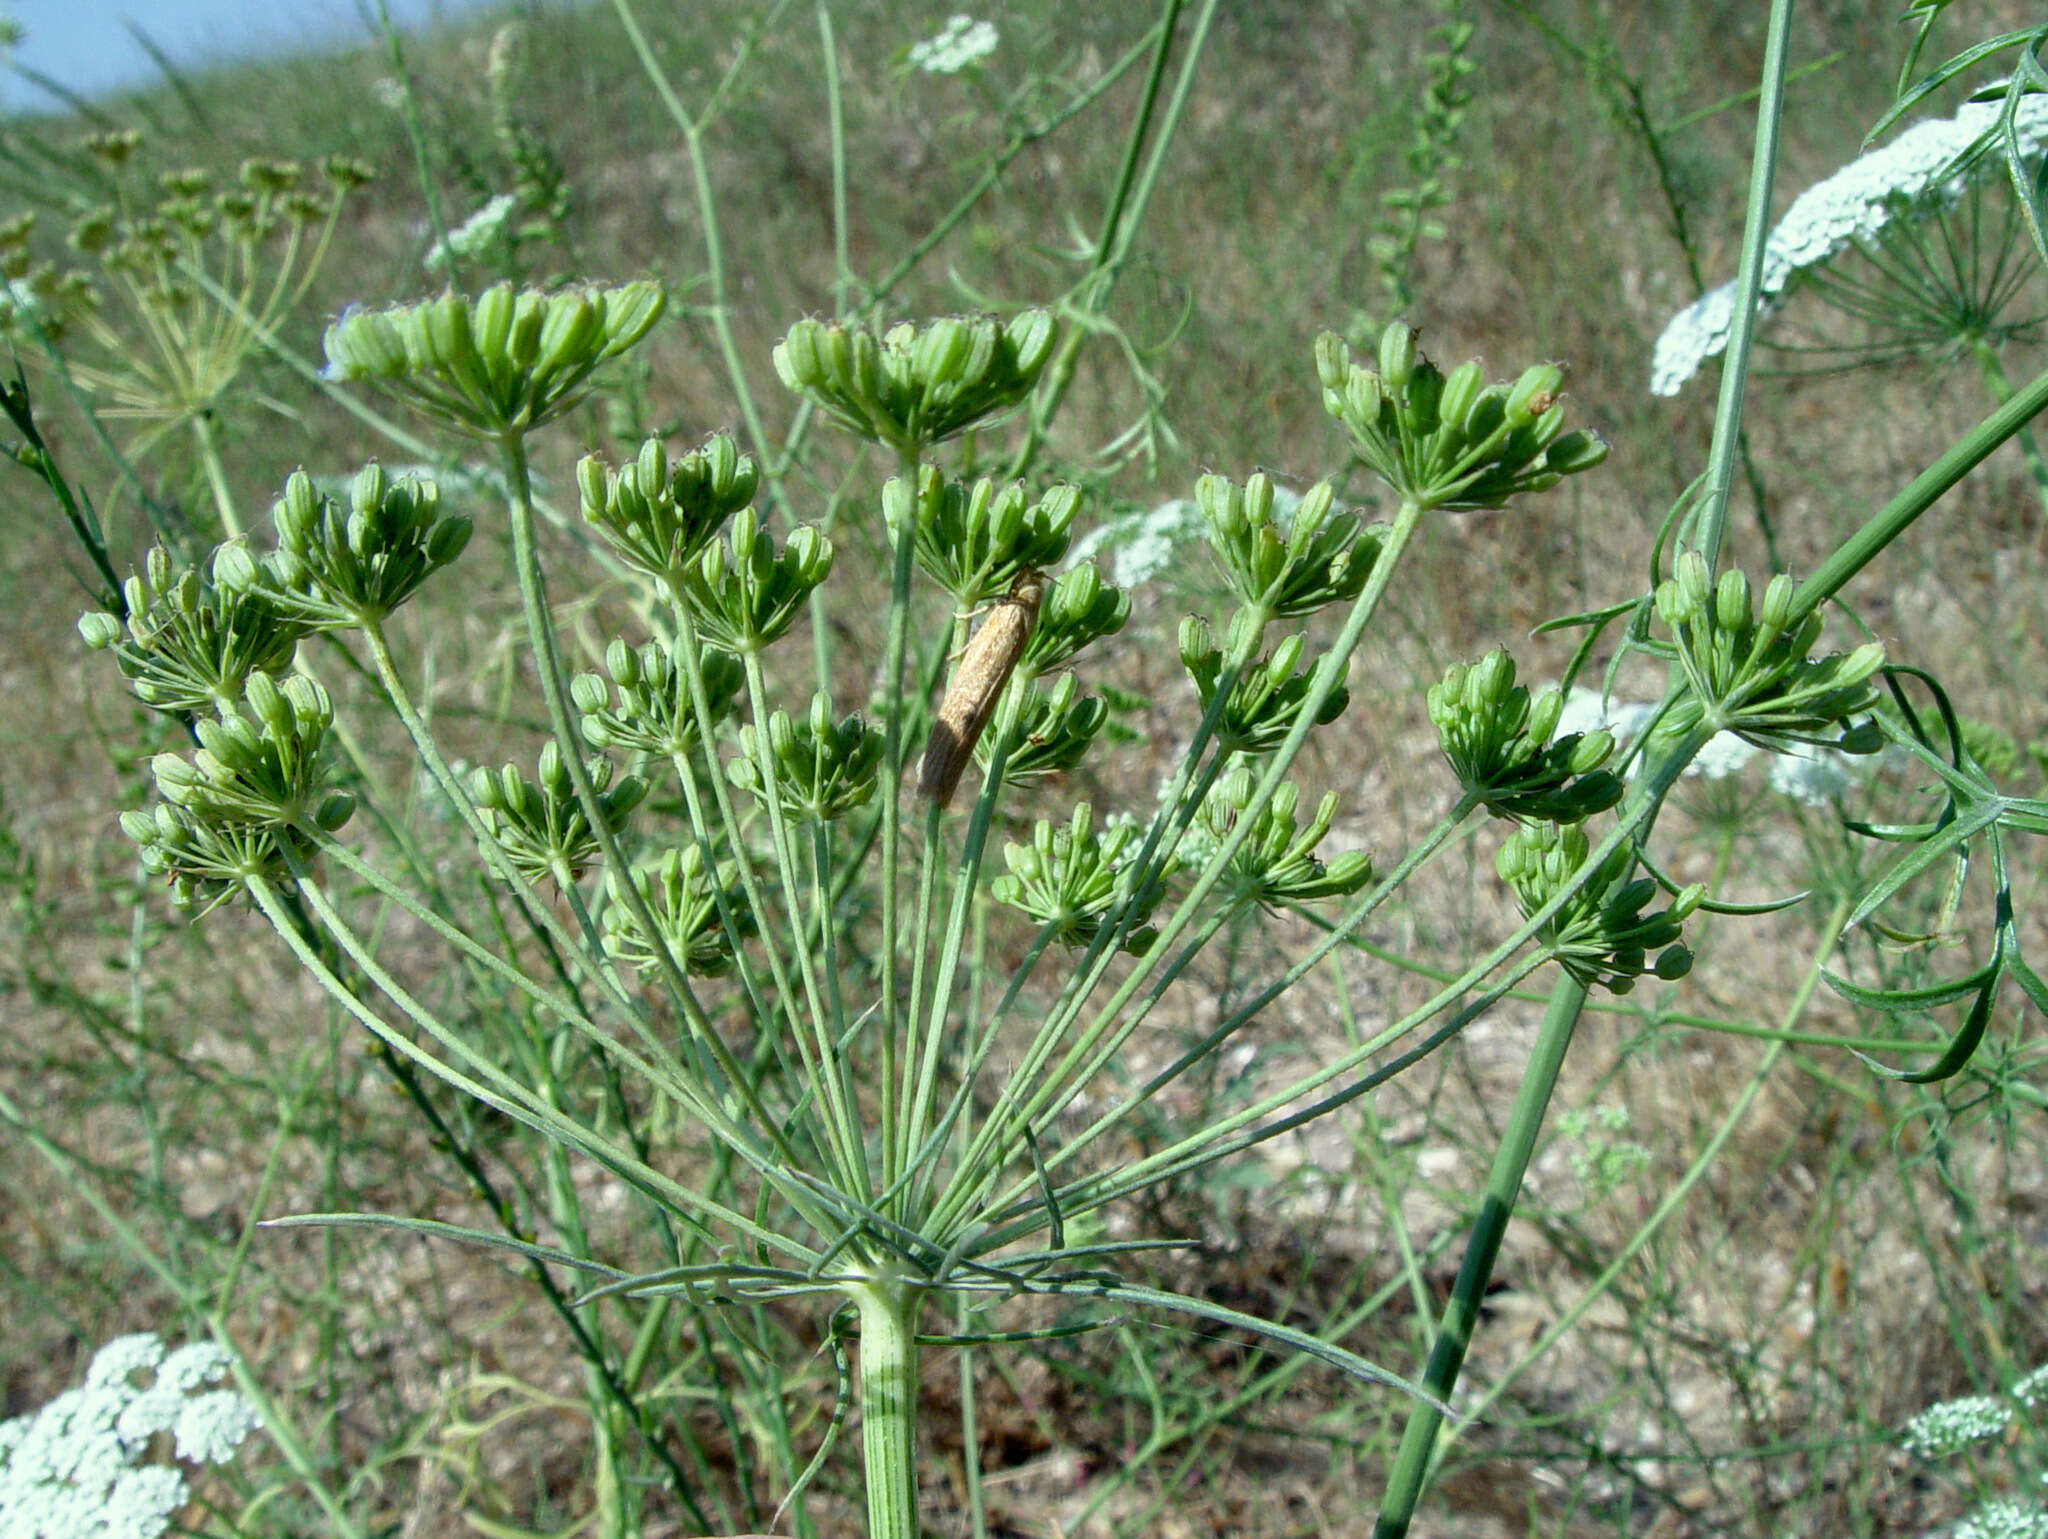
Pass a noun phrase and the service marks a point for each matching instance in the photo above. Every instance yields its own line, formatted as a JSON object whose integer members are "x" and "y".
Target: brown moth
{"x": 977, "y": 684}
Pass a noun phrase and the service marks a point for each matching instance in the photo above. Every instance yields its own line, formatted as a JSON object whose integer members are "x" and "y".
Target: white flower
{"x": 961, "y": 42}
{"x": 2004, "y": 1519}
{"x": 115, "y": 1365}
{"x": 70, "y": 1470}
{"x": 1724, "y": 754}
{"x": 1141, "y": 545}
{"x": 476, "y": 232}
{"x": 210, "y": 1427}
{"x": 1954, "y": 1425}
{"x": 1585, "y": 711}
{"x": 2032, "y": 1387}
{"x": 1852, "y": 205}
{"x": 1815, "y": 776}
{"x": 159, "y": 1407}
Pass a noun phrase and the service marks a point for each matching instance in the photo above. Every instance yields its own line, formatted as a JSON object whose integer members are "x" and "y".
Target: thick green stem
{"x": 888, "y": 1403}
{"x": 1503, "y": 1185}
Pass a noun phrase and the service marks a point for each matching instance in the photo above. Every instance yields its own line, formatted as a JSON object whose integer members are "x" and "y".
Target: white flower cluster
{"x": 2031, "y": 1388}
{"x": 71, "y": 1470}
{"x": 1953, "y": 1425}
{"x": 1852, "y": 205}
{"x": 476, "y": 233}
{"x": 1819, "y": 777}
{"x": 2003, "y": 1518}
{"x": 1141, "y": 545}
{"x": 961, "y": 42}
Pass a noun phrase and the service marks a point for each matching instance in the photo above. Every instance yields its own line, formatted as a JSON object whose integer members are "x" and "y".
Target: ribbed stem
{"x": 888, "y": 1403}
{"x": 1503, "y": 1185}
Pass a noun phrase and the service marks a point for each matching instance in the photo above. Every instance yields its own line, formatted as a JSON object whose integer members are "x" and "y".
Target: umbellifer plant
{"x": 903, "y": 1113}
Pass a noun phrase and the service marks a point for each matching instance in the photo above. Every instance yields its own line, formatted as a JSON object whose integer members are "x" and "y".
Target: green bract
{"x": 500, "y": 363}
{"x": 823, "y": 769}
{"x": 659, "y": 515}
{"x": 192, "y": 639}
{"x": 1324, "y": 555}
{"x": 644, "y": 706}
{"x": 744, "y": 594}
{"x": 975, "y": 541}
{"x": 1268, "y": 693}
{"x": 1443, "y": 442}
{"x": 908, "y": 389}
{"x": 333, "y": 568}
{"x": 1501, "y": 748}
{"x": 684, "y": 901}
{"x": 1277, "y": 863}
{"x": 1601, "y": 935}
{"x": 1070, "y": 878}
{"x": 1749, "y": 673}
{"x": 542, "y": 827}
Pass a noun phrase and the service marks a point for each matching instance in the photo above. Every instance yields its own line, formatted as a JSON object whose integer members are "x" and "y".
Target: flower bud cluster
{"x": 1451, "y": 441}
{"x": 1276, "y": 864}
{"x": 975, "y": 541}
{"x": 823, "y": 769}
{"x": 1070, "y": 878}
{"x": 1077, "y": 610}
{"x": 744, "y": 594}
{"x": 1602, "y": 934}
{"x": 1268, "y": 694}
{"x": 1501, "y": 747}
{"x": 683, "y": 898}
{"x": 910, "y": 388}
{"x": 1749, "y": 672}
{"x": 659, "y": 515}
{"x": 542, "y": 827}
{"x": 252, "y": 802}
{"x": 261, "y": 768}
{"x": 641, "y": 703}
{"x": 1054, "y": 732}
{"x": 1323, "y": 556}
{"x": 337, "y": 569}
{"x": 499, "y": 363}
{"x": 192, "y": 639}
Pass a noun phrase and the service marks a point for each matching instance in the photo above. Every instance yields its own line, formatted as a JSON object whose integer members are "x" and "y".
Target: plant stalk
{"x": 1496, "y": 1205}
{"x": 888, "y": 1307}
